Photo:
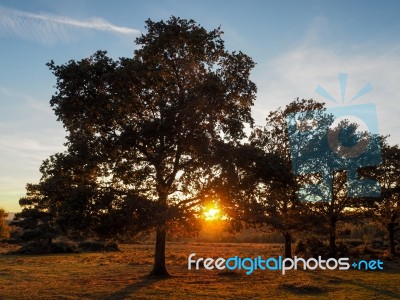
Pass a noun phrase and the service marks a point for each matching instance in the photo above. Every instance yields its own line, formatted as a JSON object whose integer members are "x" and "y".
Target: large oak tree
{"x": 151, "y": 122}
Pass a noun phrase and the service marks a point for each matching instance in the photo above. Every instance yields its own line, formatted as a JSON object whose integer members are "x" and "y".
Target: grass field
{"x": 122, "y": 275}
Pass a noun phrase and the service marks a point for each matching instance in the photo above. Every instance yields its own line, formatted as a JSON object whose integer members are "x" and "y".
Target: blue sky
{"x": 297, "y": 46}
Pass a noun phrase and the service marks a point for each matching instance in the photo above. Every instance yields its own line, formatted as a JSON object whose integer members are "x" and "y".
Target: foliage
{"x": 278, "y": 199}
{"x": 37, "y": 219}
{"x": 386, "y": 209}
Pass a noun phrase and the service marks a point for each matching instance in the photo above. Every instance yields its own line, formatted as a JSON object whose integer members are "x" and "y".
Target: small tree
{"x": 333, "y": 208}
{"x": 386, "y": 209}
{"x": 37, "y": 219}
{"x": 278, "y": 198}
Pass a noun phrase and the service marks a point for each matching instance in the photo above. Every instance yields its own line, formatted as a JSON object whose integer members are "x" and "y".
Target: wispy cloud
{"x": 49, "y": 29}
{"x": 297, "y": 72}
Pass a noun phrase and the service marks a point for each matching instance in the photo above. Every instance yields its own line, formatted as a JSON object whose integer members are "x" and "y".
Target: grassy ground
{"x": 122, "y": 275}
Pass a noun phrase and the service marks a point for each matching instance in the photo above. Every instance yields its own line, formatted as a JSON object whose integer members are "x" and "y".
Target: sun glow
{"x": 212, "y": 213}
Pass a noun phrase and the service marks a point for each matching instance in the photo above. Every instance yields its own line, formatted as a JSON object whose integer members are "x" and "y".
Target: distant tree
{"x": 386, "y": 209}
{"x": 313, "y": 193}
{"x": 152, "y": 121}
{"x": 280, "y": 204}
{"x": 335, "y": 208}
{"x": 40, "y": 215}
{"x": 330, "y": 181}
{"x": 37, "y": 219}
{"x": 4, "y": 228}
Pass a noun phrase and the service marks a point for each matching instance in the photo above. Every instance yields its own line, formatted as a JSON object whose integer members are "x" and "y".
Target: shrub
{"x": 342, "y": 249}
{"x": 354, "y": 242}
{"x": 37, "y": 247}
{"x": 97, "y": 246}
{"x": 60, "y": 247}
{"x": 11, "y": 241}
{"x": 311, "y": 247}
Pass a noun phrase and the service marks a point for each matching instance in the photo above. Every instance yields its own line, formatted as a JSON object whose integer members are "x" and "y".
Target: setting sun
{"x": 212, "y": 214}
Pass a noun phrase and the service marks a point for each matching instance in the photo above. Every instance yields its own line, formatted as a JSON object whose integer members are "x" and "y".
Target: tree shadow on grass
{"x": 129, "y": 291}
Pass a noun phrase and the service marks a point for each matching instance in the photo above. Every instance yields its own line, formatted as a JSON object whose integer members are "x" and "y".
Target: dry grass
{"x": 122, "y": 275}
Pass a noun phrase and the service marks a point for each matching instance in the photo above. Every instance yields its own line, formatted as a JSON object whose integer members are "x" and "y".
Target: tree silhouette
{"x": 386, "y": 209}
{"x": 150, "y": 122}
{"x": 329, "y": 171}
{"x": 279, "y": 201}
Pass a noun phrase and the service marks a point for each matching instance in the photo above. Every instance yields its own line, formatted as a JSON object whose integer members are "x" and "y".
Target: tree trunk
{"x": 47, "y": 244}
{"x": 332, "y": 239}
{"x": 159, "y": 269}
{"x": 391, "y": 230}
{"x": 288, "y": 245}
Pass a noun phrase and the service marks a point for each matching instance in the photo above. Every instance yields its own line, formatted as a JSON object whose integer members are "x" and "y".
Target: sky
{"x": 297, "y": 45}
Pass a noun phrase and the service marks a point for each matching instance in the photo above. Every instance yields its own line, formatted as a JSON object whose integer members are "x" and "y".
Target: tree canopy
{"x": 150, "y": 125}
